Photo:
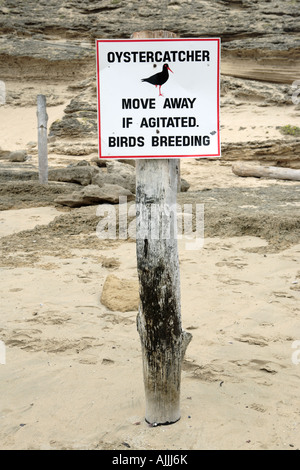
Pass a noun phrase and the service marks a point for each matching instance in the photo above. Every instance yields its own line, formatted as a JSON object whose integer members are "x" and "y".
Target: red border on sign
{"x": 161, "y": 156}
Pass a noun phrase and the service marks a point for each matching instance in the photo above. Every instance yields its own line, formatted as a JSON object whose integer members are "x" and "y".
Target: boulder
{"x": 121, "y": 295}
{"x": 93, "y": 194}
{"x": 18, "y": 156}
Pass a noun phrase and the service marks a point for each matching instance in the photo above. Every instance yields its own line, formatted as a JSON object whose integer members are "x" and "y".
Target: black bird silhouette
{"x": 159, "y": 78}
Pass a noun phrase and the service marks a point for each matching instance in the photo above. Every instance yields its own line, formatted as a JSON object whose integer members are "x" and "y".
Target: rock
{"x": 258, "y": 57}
{"x": 80, "y": 163}
{"x": 4, "y": 154}
{"x": 126, "y": 171}
{"x": 184, "y": 186}
{"x": 77, "y": 149}
{"x": 120, "y": 295}
{"x": 80, "y": 86}
{"x": 37, "y": 58}
{"x": 24, "y": 175}
{"x": 240, "y": 91}
{"x": 279, "y": 151}
{"x": 79, "y": 125}
{"x": 18, "y": 156}
{"x": 80, "y": 118}
{"x": 116, "y": 174}
{"x": 127, "y": 161}
{"x": 93, "y": 194}
{"x": 100, "y": 162}
{"x": 123, "y": 175}
{"x": 54, "y": 40}
{"x": 77, "y": 174}
{"x": 85, "y": 174}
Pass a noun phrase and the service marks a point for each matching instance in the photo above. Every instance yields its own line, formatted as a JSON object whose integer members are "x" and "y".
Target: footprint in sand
{"x": 257, "y": 407}
{"x": 31, "y": 340}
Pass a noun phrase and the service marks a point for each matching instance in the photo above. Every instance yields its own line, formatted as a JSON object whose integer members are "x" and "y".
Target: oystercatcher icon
{"x": 159, "y": 78}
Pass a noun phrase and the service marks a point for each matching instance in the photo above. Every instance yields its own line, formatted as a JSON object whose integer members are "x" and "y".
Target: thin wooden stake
{"x": 42, "y": 139}
{"x": 159, "y": 319}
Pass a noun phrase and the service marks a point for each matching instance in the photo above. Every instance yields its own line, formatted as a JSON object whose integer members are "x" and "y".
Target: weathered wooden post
{"x": 2, "y": 92}
{"x": 159, "y": 319}
{"x": 42, "y": 139}
{"x": 154, "y": 138}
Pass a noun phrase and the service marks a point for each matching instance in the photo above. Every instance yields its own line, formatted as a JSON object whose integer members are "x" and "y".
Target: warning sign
{"x": 158, "y": 98}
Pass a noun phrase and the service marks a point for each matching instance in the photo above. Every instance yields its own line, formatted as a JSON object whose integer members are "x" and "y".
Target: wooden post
{"x": 42, "y": 139}
{"x": 159, "y": 319}
{"x": 2, "y": 92}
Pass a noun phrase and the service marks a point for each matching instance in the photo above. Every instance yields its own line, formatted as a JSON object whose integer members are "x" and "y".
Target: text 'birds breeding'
{"x": 136, "y": 120}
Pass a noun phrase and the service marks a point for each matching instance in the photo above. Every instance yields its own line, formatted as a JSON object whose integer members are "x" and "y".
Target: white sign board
{"x": 158, "y": 98}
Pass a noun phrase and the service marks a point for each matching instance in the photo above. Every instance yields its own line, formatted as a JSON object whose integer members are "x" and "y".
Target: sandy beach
{"x": 71, "y": 377}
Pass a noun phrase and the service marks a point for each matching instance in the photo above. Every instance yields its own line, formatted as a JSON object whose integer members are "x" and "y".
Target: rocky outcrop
{"x": 80, "y": 118}
{"x": 274, "y": 152}
{"x": 41, "y": 57}
{"x": 15, "y": 175}
{"x": 93, "y": 194}
{"x": 236, "y": 91}
{"x": 266, "y": 57}
{"x": 79, "y": 174}
{"x": 78, "y": 148}
{"x": 101, "y": 184}
{"x": 123, "y": 178}
{"x": 55, "y": 40}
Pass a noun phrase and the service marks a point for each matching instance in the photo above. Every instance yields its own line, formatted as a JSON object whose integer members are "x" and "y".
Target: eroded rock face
{"x": 241, "y": 91}
{"x": 80, "y": 118}
{"x": 48, "y": 39}
{"x": 284, "y": 153}
{"x": 54, "y": 42}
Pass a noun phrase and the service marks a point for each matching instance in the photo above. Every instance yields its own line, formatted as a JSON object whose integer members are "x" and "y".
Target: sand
{"x": 73, "y": 372}
{"x": 73, "y": 376}
{"x": 242, "y": 123}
